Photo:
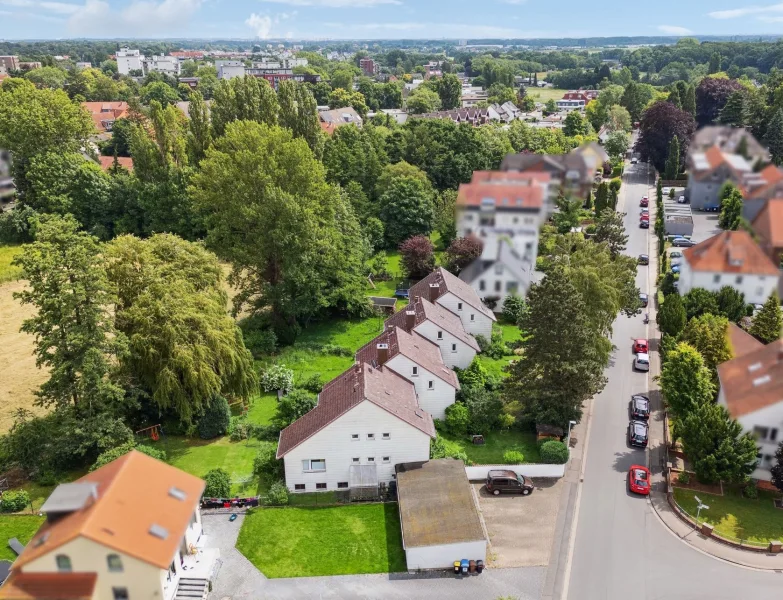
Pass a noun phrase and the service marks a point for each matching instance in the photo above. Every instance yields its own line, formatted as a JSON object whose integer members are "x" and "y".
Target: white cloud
{"x": 735, "y": 13}
{"x": 62, "y": 8}
{"x": 335, "y": 3}
{"x": 262, "y": 24}
{"x": 674, "y": 30}
{"x": 771, "y": 19}
{"x": 138, "y": 18}
{"x": 438, "y": 30}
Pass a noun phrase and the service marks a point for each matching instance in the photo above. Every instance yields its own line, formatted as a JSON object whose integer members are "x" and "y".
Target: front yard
{"x": 495, "y": 445}
{"x": 309, "y": 542}
{"x": 21, "y": 527}
{"x": 733, "y": 516}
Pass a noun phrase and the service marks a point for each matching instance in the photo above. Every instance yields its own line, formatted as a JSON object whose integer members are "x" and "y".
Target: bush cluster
{"x": 513, "y": 457}
{"x": 14, "y": 501}
{"x": 266, "y": 462}
{"x": 277, "y": 377}
{"x": 553, "y": 453}
{"x": 218, "y": 484}
{"x": 216, "y": 419}
{"x": 277, "y": 494}
{"x": 110, "y": 455}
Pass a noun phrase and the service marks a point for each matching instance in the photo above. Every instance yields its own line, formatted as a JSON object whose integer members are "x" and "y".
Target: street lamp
{"x": 699, "y": 507}
{"x": 568, "y": 437}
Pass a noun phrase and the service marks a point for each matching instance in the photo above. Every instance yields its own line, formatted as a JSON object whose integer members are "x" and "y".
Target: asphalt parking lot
{"x": 705, "y": 224}
{"x": 521, "y": 528}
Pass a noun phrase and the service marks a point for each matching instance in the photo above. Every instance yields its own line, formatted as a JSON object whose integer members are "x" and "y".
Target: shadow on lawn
{"x": 395, "y": 554}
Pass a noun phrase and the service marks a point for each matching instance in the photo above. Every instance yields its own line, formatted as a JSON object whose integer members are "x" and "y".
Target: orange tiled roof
{"x": 133, "y": 495}
{"x": 768, "y": 224}
{"x": 108, "y": 161}
{"x": 510, "y": 196}
{"x": 753, "y": 381}
{"x": 103, "y": 111}
{"x": 730, "y": 252}
{"x": 48, "y": 586}
{"x": 742, "y": 342}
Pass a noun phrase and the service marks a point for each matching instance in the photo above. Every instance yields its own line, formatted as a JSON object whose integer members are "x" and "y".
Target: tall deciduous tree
{"x": 671, "y": 316}
{"x": 767, "y": 323}
{"x": 406, "y": 209}
{"x": 461, "y": 252}
{"x": 298, "y": 112}
{"x": 617, "y": 144}
{"x": 633, "y": 100}
{"x": 686, "y": 382}
{"x": 243, "y": 98}
{"x": 450, "y": 90}
{"x": 610, "y": 229}
{"x": 619, "y": 119}
{"x": 74, "y": 334}
{"x": 293, "y": 240}
{"x": 199, "y": 133}
{"x": 661, "y": 122}
{"x": 709, "y": 334}
{"x": 673, "y": 159}
{"x": 353, "y": 154}
{"x": 417, "y": 256}
{"x": 423, "y": 100}
{"x": 711, "y": 96}
{"x": 731, "y": 210}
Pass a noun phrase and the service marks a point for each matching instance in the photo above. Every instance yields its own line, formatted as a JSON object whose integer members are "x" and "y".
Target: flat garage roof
{"x": 436, "y": 504}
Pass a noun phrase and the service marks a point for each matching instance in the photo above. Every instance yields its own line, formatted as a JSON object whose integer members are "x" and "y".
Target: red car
{"x": 639, "y": 480}
{"x": 640, "y": 346}
{"x": 644, "y": 217}
{"x": 644, "y": 202}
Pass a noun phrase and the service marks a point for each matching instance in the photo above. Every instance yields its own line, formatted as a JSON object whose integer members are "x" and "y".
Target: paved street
{"x": 621, "y": 548}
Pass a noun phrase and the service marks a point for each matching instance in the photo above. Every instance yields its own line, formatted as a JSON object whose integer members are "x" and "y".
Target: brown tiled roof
{"x": 730, "y": 252}
{"x": 133, "y": 495}
{"x": 741, "y": 341}
{"x": 48, "y": 586}
{"x": 754, "y": 380}
{"x": 102, "y": 111}
{"x": 506, "y": 196}
{"x": 768, "y": 224}
{"x": 419, "y": 349}
{"x": 427, "y": 311}
{"x": 383, "y": 387}
{"x": 108, "y": 161}
{"x": 448, "y": 282}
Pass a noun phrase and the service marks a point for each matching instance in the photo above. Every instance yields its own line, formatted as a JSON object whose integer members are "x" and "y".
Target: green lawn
{"x": 7, "y": 271}
{"x": 308, "y": 542}
{"x": 544, "y": 94}
{"x": 262, "y": 409}
{"x": 737, "y": 517}
{"x": 496, "y": 444}
{"x": 495, "y": 366}
{"x": 17, "y": 526}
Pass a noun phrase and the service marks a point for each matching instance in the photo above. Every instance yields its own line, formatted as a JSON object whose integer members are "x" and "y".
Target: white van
{"x": 641, "y": 362}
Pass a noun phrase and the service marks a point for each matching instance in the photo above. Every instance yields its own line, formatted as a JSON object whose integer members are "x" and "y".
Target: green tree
{"x": 610, "y": 229}
{"x": 342, "y": 78}
{"x": 74, "y": 334}
{"x": 199, "y": 134}
{"x": 52, "y": 78}
{"x": 449, "y": 90}
{"x": 597, "y": 114}
{"x": 218, "y": 484}
{"x": 355, "y": 155}
{"x": 550, "y": 106}
{"x": 298, "y": 112}
{"x": 731, "y": 303}
{"x": 243, "y": 98}
{"x": 674, "y": 97}
{"x": 423, "y": 100}
{"x": 160, "y": 92}
{"x": 777, "y": 468}
{"x": 686, "y": 382}
{"x": 551, "y": 380}
{"x": 292, "y": 239}
{"x": 689, "y": 100}
{"x": 774, "y": 137}
{"x": 731, "y": 211}
{"x": 293, "y": 406}
{"x": 767, "y": 323}
{"x": 673, "y": 159}
{"x": 709, "y": 335}
{"x": 716, "y": 445}
{"x": 733, "y": 112}
{"x": 498, "y": 93}
{"x": 341, "y": 98}
{"x": 601, "y": 197}
{"x": 698, "y": 302}
{"x": 714, "y": 65}
{"x": 617, "y": 144}
{"x": 671, "y": 316}
{"x": 575, "y": 124}
{"x": 633, "y": 100}
{"x": 445, "y": 220}
{"x": 394, "y": 171}
{"x": 619, "y": 119}
{"x": 406, "y": 209}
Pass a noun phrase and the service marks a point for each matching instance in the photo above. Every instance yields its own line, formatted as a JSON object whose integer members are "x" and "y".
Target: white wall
{"x": 444, "y": 555}
{"x": 756, "y": 288}
{"x": 772, "y": 418}
{"x": 333, "y": 443}
{"x": 435, "y": 400}
{"x": 464, "y": 354}
{"x": 128, "y": 62}
{"x": 492, "y": 278}
{"x": 520, "y": 228}
{"x": 479, "y": 473}
{"x": 473, "y": 320}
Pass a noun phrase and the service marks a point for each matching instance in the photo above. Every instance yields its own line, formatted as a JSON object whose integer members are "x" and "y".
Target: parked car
{"x": 639, "y": 480}
{"x": 645, "y": 211}
{"x": 640, "y": 407}
{"x": 638, "y": 433}
{"x": 634, "y": 160}
{"x": 640, "y": 345}
{"x": 644, "y": 201}
{"x": 644, "y": 223}
{"x": 675, "y": 254}
{"x": 644, "y": 299}
{"x": 501, "y": 481}
{"x": 641, "y": 362}
{"x": 682, "y": 200}
{"x": 643, "y": 259}
{"x": 711, "y": 208}
{"x": 681, "y": 242}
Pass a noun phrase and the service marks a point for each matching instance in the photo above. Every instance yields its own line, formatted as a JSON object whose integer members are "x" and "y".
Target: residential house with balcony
{"x": 730, "y": 140}
{"x": 570, "y": 174}
{"x": 130, "y": 529}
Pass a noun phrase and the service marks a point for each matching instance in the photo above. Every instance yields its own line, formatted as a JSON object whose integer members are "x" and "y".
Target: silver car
{"x": 641, "y": 362}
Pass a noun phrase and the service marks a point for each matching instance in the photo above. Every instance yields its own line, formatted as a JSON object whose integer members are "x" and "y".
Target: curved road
{"x": 621, "y": 549}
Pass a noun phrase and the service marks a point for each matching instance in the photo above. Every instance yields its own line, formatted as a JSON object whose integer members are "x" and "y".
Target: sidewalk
{"x": 657, "y": 453}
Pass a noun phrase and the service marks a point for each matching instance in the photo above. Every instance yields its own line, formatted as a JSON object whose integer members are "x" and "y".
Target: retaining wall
{"x": 479, "y": 472}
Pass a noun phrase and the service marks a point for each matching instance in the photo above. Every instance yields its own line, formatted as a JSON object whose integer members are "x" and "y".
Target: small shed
{"x": 384, "y": 305}
{"x": 544, "y": 432}
{"x": 438, "y": 513}
{"x": 680, "y": 225}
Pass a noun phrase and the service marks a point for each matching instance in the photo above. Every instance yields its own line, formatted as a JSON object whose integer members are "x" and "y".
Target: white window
{"x": 354, "y": 437}
{"x": 440, "y": 335}
{"x": 355, "y": 460}
{"x": 387, "y": 436}
{"x": 459, "y": 305}
{"x": 414, "y": 371}
{"x": 63, "y": 563}
{"x": 454, "y": 347}
{"x": 430, "y": 385}
{"x": 472, "y": 317}
{"x": 387, "y": 459}
{"x": 371, "y": 459}
{"x": 371, "y": 436}
{"x": 314, "y": 464}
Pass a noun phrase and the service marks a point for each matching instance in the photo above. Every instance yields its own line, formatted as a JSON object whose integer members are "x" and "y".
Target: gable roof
{"x": 768, "y": 224}
{"x": 730, "y": 252}
{"x": 728, "y": 139}
{"x": 105, "y": 111}
{"x": 107, "y": 162}
{"x": 340, "y": 116}
{"x": 424, "y": 310}
{"x": 503, "y": 196}
{"x": 132, "y": 496}
{"x": 416, "y": 347}
{"x": 383, "y": 387}
{"x": 49, "y": 586}
{"x": 741, "y": 341}
{"x": 753, "y": 381}
{"x": 447, "y": 282}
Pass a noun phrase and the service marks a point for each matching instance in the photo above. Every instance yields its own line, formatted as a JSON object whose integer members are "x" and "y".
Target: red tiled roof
{"x": 108, "y": 161}
{"x": 103, "y": 111}
{"x": 417, "y": 348}
{"x": 133, "y": 494}
{"x": 424, "y": 310}
{"x": 510, "y": 196}
{"x": 741, "y": 341}
{"x": 383, "y": 387}
{"x": 730, "y": 252}
{"x": 753, "y": 381}
{"x": 48, "y": 586}
{"x": 510, "y": 176}
{"x": 768, "y": 224}
{"x": 450, "y": 283}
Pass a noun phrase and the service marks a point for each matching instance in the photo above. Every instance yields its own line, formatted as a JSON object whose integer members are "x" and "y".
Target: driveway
{"x": 521, "y": 528}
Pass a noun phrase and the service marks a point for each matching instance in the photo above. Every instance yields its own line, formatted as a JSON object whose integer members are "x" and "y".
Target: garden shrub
{"x": 277, "y": 377}
{"x": 261, "y": 342}
{"x": 264, "y": 433}
{"x": 506, "y": 421}
{"x": 513, "y": 307}
{"x": 336, "y": 350}
{"x": 475, "y": 375}
{"x": 554, "y": 453}
{"x": 293, "y": 406}
{"x": 684, "y": 477}
{"x": 277, "y": 494}
{"x": 312, "y": 384}
{"x": 484, "y": 409}
{"x": 238, "y": 429}
{"x": 483, "y": 342}
{"x": 113, "y": 454}
{"x": 513, "y": 457}
{"x": 218, "y": 484}
{"x": 750, "y": 491}
{"x": 457, "y": 418}
{"x": 266, "y": 461}
{"x": 215, "y": 420}
{"x": 14, "y": 501}
{"x": 438, "y": 449}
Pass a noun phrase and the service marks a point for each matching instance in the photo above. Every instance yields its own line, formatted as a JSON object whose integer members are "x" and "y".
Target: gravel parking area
{"x": 705, "y": 225}
{"x": 521, "y": 528}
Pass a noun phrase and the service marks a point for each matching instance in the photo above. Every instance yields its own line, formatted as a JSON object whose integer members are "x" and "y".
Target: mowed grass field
{"x": 544, "y": 94}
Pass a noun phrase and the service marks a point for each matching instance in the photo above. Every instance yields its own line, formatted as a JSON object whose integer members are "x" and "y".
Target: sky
{"x": 382, "y": 19}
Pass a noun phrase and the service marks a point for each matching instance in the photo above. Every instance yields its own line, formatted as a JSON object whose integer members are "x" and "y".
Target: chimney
{"x": 410, "y": 320}
{"x": 434, "y": 292}
{"x": 383, "y": 354}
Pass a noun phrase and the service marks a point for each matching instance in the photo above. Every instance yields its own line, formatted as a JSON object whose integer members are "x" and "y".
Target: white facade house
{"x": 751, "y": 389}
{"x": 366, "y": 421}
{"x": 569, "y": 105}
{"x": 228, "y": 69}
{"x": 449, "y": 291}
{"x": 168, "y": 65}
{"x": 128, "y": 60}
{"x": 731, "y": 258}
{"x": 419, "y": 361}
